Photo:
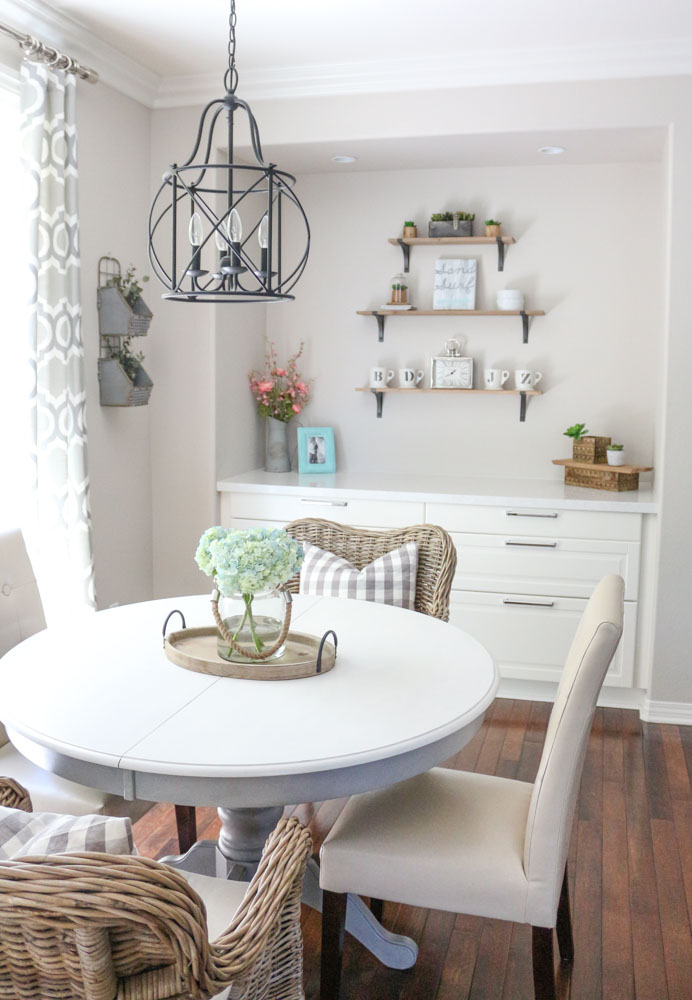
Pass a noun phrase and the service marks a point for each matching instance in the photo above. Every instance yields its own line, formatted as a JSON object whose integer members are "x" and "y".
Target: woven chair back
{"x": 78, "y": 926}
{"x": 437, "y": 557}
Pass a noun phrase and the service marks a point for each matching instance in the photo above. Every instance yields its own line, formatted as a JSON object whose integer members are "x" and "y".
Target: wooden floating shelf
{"x": 381, "y": 314}
{"x": 601, "y": 476}
{"x": 406, "y": 242}
{"x": 379, "y": 394}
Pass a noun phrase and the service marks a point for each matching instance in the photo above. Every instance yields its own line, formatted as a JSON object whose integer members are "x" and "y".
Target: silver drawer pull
{"x": 529, "y": 604}
{"x": 522, "y": 513}
{"x": 532, "y": 545}
{"x": 325, "y": 503}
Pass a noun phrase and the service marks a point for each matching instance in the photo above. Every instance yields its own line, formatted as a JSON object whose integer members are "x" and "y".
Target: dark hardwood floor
{"x": 630, "y": 875}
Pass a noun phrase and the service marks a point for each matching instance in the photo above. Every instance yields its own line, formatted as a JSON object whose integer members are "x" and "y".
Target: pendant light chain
{"x": 231, "y": 75}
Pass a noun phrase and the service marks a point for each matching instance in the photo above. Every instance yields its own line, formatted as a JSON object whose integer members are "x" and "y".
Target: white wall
{"x": 582, "y": 254}
{"x": 113, "y": 137}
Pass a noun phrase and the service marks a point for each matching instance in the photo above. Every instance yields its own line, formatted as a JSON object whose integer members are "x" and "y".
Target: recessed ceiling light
{"x": 551, "y": 150}
{"x": 344, "y": 158}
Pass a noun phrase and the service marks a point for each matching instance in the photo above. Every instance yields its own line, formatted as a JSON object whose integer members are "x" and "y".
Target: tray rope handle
{"x": 227, "y": 637}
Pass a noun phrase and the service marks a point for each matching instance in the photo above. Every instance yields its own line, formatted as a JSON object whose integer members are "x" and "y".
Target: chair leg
{"x": 543, "y": 964}
{"x": 377, "y": 909}
{"x": 333, "y": 929}
{"x": 565, "y": 940}
{"x": 186, "y": 822}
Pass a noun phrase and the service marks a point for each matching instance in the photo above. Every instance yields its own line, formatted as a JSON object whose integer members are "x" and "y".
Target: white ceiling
{"x": 582, "y": 146}
{"x": 188, "y": 37}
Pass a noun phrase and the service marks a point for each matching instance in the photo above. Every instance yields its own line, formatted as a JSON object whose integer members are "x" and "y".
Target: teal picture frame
{"x": 316, "y": 452}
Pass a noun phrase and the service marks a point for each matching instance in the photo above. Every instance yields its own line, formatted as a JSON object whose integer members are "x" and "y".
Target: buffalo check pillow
{"x": 391, "y": 579}
{"x": 24, "y": 834}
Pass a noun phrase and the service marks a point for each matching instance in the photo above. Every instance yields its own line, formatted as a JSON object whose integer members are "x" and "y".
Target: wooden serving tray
{"x": 195, "y": 649}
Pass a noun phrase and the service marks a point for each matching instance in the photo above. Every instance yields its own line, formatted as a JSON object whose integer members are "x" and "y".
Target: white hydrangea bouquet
{"x": 248, "y": 564}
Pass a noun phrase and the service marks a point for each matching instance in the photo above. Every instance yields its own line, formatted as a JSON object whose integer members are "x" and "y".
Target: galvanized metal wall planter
{"x": 118, "y": 321}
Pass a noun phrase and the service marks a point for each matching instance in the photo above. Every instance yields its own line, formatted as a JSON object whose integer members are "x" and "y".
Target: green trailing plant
{"x": 449, "y": 216}
{"x": 128, "y": 285}
{"x": 615, "y": 447}
{"x": 577, "y": 431}
{"x": 409, "y": 225}
{"x": 130, "y": 362}
{"x": 493, "y": 222}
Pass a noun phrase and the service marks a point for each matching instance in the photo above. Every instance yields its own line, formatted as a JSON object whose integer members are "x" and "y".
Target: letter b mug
{"x": 380, "y": 377}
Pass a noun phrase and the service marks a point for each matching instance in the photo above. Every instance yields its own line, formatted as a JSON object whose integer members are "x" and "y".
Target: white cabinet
{"x": 524, "y": 572}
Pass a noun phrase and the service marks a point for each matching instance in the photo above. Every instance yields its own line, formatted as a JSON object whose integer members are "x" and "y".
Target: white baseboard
{"x": 610, "y": 697}
{"x": 676, "y": 713}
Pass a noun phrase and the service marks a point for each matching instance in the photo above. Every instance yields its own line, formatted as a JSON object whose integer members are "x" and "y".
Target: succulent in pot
{"x": 615, "y": 454}
{"x": 443, "y": 224}
{"x": 492, "y": 227}
{"x": 410, "y": 230}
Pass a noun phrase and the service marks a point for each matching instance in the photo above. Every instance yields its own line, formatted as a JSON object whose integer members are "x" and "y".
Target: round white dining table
{"x": 100, "y": 703}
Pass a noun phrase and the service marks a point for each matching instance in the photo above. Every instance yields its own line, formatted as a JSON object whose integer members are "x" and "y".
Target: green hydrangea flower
{"x": 248, "y": 562}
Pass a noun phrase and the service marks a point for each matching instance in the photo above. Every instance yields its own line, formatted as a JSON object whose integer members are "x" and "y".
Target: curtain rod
{"x": 37, "y": 51}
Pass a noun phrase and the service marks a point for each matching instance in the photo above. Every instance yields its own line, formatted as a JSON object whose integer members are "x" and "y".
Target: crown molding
{"x": 114, "y": 67}
{"x": 486, "y": 68}
{"x": 671, "y": 57}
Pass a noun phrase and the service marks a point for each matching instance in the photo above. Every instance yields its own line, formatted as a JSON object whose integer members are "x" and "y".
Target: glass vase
{"x": 252, "y": 631}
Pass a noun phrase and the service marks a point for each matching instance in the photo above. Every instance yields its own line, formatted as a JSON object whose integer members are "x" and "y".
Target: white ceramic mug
{"x": 524, "y": 379}
{"x": 495, "y": 378}
{"x": 380, "y": 377}
{"x": 409, "y": 378}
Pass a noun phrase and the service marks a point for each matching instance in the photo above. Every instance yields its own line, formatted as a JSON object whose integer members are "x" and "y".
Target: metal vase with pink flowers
{"x": 281, "y": 394}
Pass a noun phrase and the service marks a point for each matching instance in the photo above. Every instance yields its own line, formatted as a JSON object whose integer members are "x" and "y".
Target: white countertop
{"x": 539, "y": 493}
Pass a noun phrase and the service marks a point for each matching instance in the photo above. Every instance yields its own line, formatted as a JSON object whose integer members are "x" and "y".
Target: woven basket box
{"x": 600, "y": 478}
{"x": 590, "y": 449}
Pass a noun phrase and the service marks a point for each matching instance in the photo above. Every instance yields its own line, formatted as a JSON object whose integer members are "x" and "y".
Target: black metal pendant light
{"x": 215, "y": 228}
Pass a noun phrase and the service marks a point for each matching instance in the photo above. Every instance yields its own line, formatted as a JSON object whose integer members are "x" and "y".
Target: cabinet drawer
{"x": 552, "y": 523}
{"x": 532, "y": 642}
{"x": 289, "y": 507}
{"x": 568, "y": 567}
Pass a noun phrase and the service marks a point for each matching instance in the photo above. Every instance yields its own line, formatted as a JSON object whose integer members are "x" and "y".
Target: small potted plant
{"x": 492, "y": 227}
{"x": 615, "y": 453}
{"x": 410, "y": 230}
{"x": 444, "y": 224}
{"x": 586, "y": 447}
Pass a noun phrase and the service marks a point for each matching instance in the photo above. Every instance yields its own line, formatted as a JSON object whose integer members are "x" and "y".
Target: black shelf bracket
{"x": 500, "y": 253}
{"x": 380, "y": 325}
{"x": 379, "y": 396}
{"x": 406, "y": 250}
{"x": 522, "y": 408}
{"x": 525, "y": 326}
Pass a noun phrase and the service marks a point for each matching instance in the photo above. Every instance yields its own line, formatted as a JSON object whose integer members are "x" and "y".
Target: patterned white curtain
{"x": 62, "y": 536}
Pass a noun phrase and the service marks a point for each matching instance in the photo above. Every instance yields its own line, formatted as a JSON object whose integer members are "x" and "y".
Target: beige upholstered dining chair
{"x": 437, "y": 556}
{"x": 97, "y": 926}
{"x": 473, "y": 843}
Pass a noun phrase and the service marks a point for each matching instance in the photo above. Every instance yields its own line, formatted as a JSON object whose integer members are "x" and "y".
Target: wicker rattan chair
{"x": 437, "y": 557}
{"x": 101, "y": 927}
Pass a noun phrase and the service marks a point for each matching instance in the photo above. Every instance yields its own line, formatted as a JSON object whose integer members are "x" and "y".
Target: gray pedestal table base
{"x": 236, "y": 855}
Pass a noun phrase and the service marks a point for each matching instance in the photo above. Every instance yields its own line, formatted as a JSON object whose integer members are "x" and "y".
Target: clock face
{"x": 452, "y": 373}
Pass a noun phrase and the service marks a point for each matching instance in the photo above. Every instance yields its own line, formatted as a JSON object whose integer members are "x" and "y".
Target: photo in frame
{"x": 316, "y": 452}
{"x": 455, "y": 283}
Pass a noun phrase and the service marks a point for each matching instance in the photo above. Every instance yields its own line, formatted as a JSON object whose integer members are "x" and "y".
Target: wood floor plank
{"x": 677, "y": 941}
{"x": 647, "y": 943}
{"x": 656, "y": 772}
{"x": 618, "y": 977}
{"x": 613, "y": 762}
{"x": 518, "y": 984}
{"x": 491, "y": 963}
{"x": 489, "y": 756}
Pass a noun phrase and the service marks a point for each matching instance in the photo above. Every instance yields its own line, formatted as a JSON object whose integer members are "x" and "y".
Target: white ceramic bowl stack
{"x": 511, "y": 300}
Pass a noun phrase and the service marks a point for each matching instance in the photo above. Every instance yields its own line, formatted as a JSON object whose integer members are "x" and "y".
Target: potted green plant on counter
{"x": 615, "y": 453}
{"x": 586, "y": 447}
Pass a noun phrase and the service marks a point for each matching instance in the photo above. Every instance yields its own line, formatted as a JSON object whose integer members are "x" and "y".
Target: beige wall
{"x": 582, "y": 255}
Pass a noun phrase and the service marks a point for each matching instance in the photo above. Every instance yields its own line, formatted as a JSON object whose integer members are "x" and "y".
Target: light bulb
{"x": 195, "y": 230}
{"x": 234, "y": 227}
{"x": 220, "y": 241}
{"x": 263, "y": 234}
